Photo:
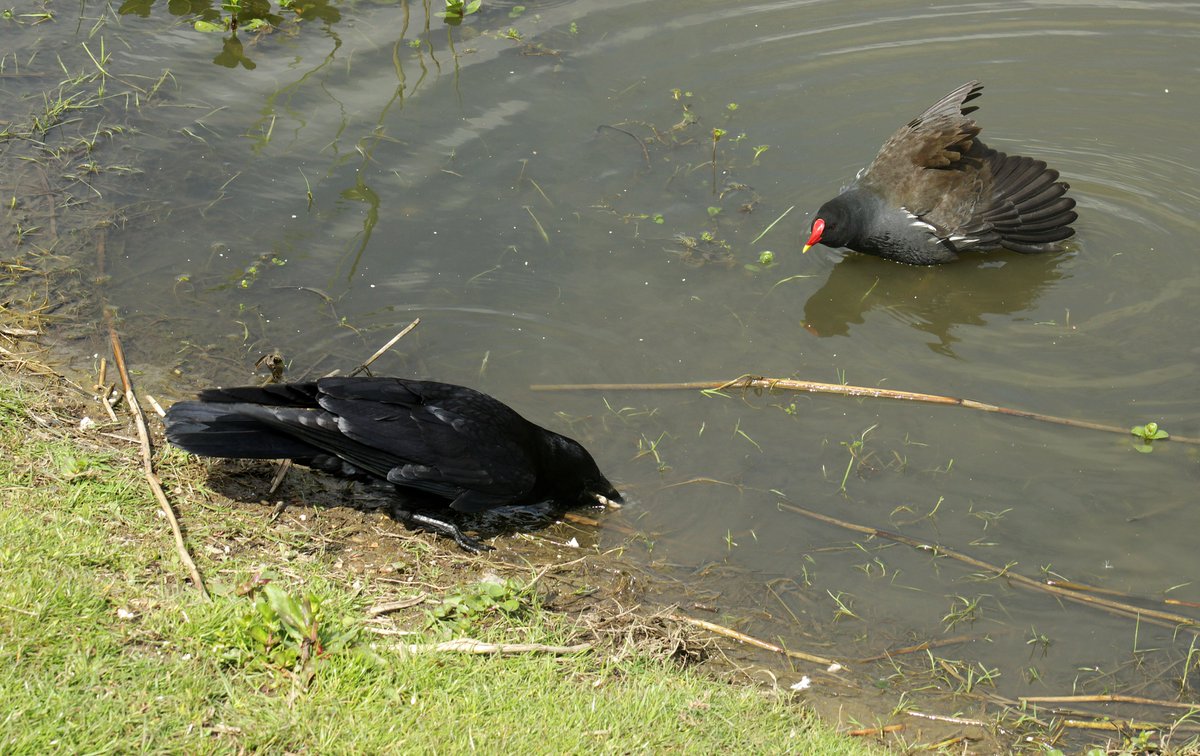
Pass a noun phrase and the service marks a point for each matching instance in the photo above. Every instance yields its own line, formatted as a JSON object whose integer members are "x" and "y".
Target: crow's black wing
{"x": 446, "y": 439}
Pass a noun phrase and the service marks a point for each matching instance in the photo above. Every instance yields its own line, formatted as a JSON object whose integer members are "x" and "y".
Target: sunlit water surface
{"x": 472, "y": 180}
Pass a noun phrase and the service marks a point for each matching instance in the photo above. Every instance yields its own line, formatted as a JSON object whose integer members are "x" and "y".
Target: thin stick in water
{"x": 385, "y": 347}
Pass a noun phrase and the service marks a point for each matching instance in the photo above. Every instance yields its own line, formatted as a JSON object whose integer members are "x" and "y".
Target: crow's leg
{"x": 421, "y": 520}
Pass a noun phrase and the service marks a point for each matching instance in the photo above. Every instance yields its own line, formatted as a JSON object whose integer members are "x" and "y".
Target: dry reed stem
{"x": 277, "y": 479}
{"x": 139, "y": 419}
{"x": 394, "y": 606}
{"x": 379, "y": 352}
{"x": 470, "y": 646}
{"x": 1115, "y": 726}
{"x": 918, "y": 648}
{"x": 943, "y": 718}
{"x": 771, "y": 384}
{"x": 751, "y": 641}
{"x": 1110, "y": 698}
{"x": 875, "y": 731}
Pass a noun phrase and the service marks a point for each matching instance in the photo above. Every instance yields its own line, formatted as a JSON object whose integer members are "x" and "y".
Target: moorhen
{"x": 465, "y": 450}
{"x": 934, "y": 190}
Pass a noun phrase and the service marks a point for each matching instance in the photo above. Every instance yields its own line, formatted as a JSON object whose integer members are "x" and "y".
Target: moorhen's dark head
{"x": 833, "y": 225}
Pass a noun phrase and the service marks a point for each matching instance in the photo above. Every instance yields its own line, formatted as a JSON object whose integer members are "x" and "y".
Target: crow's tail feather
{"x": 221, "y": 430}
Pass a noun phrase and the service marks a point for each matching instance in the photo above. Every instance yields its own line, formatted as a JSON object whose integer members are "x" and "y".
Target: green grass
{"x": 102, "y": 649}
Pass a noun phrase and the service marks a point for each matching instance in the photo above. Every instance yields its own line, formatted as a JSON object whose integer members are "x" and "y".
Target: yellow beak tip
{"x": 806, "y": 248}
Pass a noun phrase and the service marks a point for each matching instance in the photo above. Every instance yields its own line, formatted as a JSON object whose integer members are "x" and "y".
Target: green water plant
{"x": 1145, "y": 435}
{"x": 717, "y": 133}
{"x": 456, "y": 10}
{"x": 844, "y": 606}
{"x": 856, "y": 448}
{"x": 646, "y": 447}
{"x": 238, "y": 15}
{"x": 766, "y": 259}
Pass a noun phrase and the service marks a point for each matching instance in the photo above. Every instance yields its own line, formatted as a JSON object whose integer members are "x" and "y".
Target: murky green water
{"x": 459, "y": 176}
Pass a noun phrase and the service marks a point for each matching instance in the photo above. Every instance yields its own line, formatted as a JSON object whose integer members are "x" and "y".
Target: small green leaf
{"x": 208, "y": 27}
{"x": 285, "y": 606}
{"x": 477, "y": 603}
{"x": 1149, "y": 432}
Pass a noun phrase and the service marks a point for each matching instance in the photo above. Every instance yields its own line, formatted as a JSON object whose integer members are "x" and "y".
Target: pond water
{"x": 537, "y": 187}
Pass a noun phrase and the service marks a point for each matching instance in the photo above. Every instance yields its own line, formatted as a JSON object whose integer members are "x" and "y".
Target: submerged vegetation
{"x": 676, "y": 149}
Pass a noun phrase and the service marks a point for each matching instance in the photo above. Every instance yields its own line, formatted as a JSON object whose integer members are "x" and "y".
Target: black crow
{"x": 467, "y": 450}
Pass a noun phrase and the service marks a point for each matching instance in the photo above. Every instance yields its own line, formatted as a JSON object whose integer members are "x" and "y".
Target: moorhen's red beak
{"x": 818, "y": 228}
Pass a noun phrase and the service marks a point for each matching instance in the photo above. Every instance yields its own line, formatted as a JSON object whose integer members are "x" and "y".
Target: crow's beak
{"x": 610, "y": 498}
